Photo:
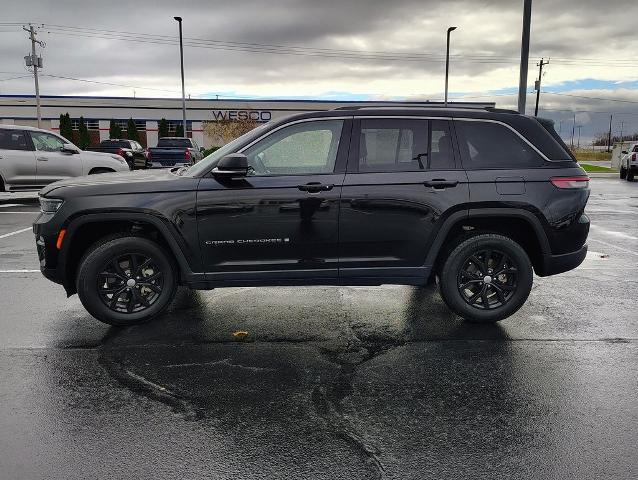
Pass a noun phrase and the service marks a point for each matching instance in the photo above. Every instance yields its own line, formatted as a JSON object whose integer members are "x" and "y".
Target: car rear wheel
{"x": 630, "y": 175}
{"x": 486, "y": 278}
{"x": 623, "y": 173}
{"x": 126, "y": 280}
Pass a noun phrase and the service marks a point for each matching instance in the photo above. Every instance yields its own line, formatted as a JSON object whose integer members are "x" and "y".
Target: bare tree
{"x": 223, "y": 131}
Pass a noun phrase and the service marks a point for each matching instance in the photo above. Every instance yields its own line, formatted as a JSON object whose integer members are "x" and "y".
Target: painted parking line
{"x": 20, "y": 271}
{"x": 26, "y": 211}
{"x": 611, "y": 245}
{"x": 16, "y": 232}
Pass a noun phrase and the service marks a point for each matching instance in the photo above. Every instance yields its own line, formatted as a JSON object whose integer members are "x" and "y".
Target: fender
{"x": 486, "y": 213}
{"x": 175, "y": 241}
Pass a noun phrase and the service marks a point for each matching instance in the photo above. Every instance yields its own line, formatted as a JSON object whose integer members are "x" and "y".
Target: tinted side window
{"x": 304, "y": 148}
{"x": 441, "y": 154}
{"x": 487, "y": 145}
{"x": 388, "y": 145}
{"x": 13, "y": 140}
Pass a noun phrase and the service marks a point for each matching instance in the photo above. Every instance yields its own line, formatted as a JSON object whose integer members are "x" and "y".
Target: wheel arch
{"x": 85, "y": 230}
{"x": 520, "y": 225}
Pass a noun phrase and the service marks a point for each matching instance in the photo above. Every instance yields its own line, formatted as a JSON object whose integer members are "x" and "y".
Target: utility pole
{"x": 622, "y": 126}
{"x": 611, "y": 119}
{"x": 181, "y": 57}
{"x": 560, "y": 127}
{"x": 573, "y": 130}
{"x": 579, "y": 127}
{"x": 35, "y": 62}
{"x": 538, "y": 83}
{"x": 522, "y": 85}
{"x": 447, "y": 62}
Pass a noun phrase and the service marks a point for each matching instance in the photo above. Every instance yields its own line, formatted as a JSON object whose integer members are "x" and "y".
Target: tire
{"x": 98, "y": 276}
{"x": 630, "y": 175}
{"x": 623, "y": 173}
{"x": 505, "y": 293}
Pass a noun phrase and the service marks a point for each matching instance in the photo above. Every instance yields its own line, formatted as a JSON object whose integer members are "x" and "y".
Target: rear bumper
{"x": 555, "y": 264}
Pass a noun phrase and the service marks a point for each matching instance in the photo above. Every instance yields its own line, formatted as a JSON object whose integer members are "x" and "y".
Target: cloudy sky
{"x": 327, "y": 49}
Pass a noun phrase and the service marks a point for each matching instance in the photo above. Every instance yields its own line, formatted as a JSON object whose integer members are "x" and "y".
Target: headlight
{"x": 50, "y": 205}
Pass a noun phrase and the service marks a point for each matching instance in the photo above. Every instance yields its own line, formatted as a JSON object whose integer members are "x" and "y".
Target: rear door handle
{"x": 43, "y": 159}
{"x": 439, "y": 183}
{"x": 315, "y": 187}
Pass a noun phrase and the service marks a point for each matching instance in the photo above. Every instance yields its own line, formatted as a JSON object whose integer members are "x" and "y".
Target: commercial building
{"x": 147, "y": 112}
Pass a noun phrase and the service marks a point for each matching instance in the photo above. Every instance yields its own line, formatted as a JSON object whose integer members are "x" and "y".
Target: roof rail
{"x": 400, "y": 107}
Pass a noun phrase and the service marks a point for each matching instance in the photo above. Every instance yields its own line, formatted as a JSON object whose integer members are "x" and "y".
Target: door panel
{"x": 402, "y": 183}
{"x": 282, "y": 219}
{"x": 269, "y": 224}
{"x": 52, "y": 164}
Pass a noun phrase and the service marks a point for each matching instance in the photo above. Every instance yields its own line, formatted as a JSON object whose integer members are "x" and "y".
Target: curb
{"x": 603, "y": 175}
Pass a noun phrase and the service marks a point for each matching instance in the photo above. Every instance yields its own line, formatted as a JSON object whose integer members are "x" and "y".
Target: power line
{"x": 109, "y": 83}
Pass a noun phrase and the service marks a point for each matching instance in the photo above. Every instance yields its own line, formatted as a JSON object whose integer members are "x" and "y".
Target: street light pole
{"x": 447, "y": 62}
{"x": 522, "y": 85}
{"x": 181, "y": 58}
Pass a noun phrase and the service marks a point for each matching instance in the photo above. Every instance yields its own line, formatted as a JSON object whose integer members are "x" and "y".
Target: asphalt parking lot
{"x": 331, "y": 383}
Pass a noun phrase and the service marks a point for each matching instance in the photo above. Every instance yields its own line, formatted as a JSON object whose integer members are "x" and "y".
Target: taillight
{"x": 570, "y": 182}
{"x": 633, "y": 157}
{"x": 120, "y": 152}
{"x": 147, "y": 152}
{"x": 187, "y": 154}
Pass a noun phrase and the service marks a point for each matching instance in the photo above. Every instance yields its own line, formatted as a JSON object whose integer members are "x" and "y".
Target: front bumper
{"x": 555, "y": 264}
{"x": 48, "y": 255}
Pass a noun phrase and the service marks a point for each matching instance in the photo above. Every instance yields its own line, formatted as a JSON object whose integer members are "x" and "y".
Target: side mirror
{"x": 232, "y": 165}
{"x": 69, "y": 148}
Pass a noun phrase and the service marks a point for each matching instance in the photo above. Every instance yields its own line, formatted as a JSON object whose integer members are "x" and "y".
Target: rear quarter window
{"x": 13, "y": 140}
{"x": 487, "y": 145}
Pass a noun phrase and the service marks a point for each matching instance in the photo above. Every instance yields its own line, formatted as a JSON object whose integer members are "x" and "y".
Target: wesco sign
{"x": 252, "y": 115}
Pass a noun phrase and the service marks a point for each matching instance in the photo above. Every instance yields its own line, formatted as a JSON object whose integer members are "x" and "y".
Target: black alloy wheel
{"x": 126, "y": 280}
{"x": 130, "y": 283}
{"x": 487, "y": 279}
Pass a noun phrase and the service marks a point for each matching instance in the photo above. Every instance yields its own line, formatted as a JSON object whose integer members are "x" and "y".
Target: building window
{"x": 172, "y": 125}
{"x": 91, "y": 124}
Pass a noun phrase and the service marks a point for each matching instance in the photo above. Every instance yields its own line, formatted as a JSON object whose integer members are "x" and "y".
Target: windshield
{"x": 174, "y": 142}
{"x": 211, "y": 160}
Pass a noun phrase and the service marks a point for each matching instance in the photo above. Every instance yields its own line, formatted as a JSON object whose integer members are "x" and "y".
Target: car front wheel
{"x": 126, "y": 280}
{"x": 623, "y": 173}
{"x": 486, "y": 278}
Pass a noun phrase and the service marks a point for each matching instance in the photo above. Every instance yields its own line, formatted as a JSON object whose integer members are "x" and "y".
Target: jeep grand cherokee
{"x": 480, "y": 199}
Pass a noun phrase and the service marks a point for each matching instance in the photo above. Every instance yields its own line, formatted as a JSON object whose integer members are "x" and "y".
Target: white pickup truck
{"x": 629, "y": 162}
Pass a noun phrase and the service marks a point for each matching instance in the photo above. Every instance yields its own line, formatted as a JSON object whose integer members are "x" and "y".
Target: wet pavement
{"x": 361, "y": 382}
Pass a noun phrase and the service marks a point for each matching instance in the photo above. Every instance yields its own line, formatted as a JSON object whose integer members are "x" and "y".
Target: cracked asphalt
{"x": 362, "y": 382}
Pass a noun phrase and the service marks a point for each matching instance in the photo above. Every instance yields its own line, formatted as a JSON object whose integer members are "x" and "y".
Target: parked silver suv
{"x": 31, "y": 158}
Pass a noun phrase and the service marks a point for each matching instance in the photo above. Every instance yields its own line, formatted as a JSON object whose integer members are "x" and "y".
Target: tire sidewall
{"x": 96, "y": 260}
{"x": 455, "y": 261}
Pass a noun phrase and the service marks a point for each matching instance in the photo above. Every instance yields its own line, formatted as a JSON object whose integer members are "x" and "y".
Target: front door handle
{"x": 315, "y": 187}
{"x": 439, "y": 183}
{"x": 43, "y": 159}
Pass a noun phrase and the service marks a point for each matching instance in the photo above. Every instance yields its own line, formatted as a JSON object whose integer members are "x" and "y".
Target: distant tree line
{"x": 602, "y": 138}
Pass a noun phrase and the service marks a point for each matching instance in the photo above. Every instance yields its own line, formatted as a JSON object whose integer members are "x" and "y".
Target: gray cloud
{"x": 567, "y": 31}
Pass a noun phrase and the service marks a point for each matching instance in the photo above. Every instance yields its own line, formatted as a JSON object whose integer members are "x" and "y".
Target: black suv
{"x": 478, "y": 199}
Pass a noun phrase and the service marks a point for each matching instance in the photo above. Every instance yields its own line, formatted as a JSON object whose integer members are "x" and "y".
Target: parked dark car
{"x": 175, "y": 152}
{"x": 129, "y": 150}
{"x": 480, "y": 199}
